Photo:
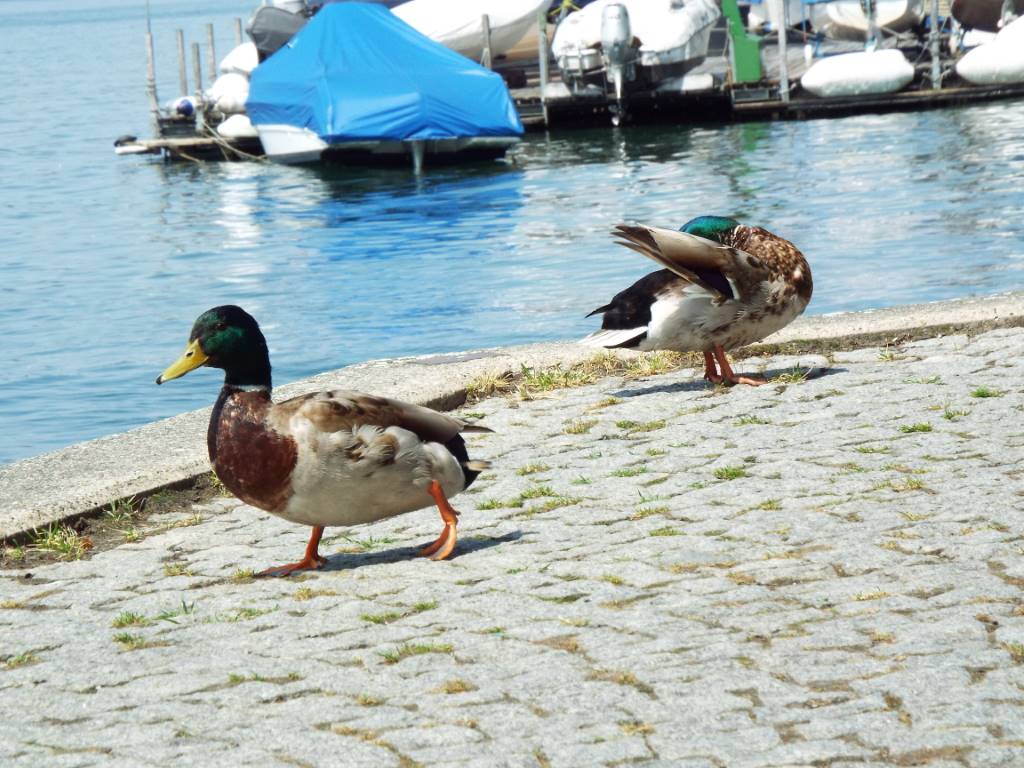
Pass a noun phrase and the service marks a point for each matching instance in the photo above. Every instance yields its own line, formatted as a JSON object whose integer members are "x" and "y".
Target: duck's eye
{"x": 221, "y": 327}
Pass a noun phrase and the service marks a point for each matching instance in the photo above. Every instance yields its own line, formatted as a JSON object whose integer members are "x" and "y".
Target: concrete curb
{"x": 85, "y": 477}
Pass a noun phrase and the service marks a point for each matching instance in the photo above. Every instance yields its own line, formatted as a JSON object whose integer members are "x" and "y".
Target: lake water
{"x": 105, "y": 261}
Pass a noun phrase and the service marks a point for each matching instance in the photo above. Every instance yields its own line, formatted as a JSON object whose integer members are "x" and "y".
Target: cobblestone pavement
{"x": 823, "y": 572}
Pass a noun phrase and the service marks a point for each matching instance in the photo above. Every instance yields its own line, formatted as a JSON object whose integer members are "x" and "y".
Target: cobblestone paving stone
{"x": 825, "y": 572}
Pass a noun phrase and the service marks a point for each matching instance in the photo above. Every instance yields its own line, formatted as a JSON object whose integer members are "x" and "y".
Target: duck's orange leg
{"x": 710, "y": 369}
{"x": 309, "y": 562}
{"x": 728, "y": 374}
{"x": 445, "y": 543}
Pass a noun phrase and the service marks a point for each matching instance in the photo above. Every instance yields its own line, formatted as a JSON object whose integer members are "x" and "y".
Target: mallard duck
{"x": 724, "y": 285}
{"x": 327, "y": 458}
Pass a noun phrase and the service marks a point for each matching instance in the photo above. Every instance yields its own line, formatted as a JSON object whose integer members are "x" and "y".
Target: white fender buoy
{"x": 229, "y": 92}
{"x": 242, "y": 59}
{"x": 237, "y": 127}
{"x": 1000, "y": 60}
{"x": 860, "y": 73}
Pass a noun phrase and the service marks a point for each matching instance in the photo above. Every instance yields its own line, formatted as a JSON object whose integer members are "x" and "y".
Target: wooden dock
{"x": 719, "y": 100}
{"x": 729, "y": 102}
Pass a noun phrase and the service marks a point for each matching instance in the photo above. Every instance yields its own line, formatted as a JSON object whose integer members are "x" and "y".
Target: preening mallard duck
{"x": 326, "y": 458}
{"x": 724, "y": 285}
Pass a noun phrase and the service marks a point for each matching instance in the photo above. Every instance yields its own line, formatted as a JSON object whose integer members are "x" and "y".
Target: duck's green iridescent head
{"x": 709, "y": 227}
{"x": 225, "y": 337}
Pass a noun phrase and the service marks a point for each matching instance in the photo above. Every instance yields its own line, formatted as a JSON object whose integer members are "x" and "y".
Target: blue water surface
{"x": 105, "y": 261}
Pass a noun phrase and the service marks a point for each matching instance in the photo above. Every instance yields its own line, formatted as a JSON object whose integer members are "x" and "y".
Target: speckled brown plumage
{"x": 337, "y": 410}
{"x": 782, "y": 259}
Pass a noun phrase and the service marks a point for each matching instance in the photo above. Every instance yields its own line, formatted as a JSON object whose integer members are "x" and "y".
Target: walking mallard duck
{"x": 326, "y": 458}
{"x": 724, "y": 285}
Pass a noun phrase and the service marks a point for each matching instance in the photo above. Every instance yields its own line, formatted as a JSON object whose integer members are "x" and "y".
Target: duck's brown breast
{"x": 253, "y": 460}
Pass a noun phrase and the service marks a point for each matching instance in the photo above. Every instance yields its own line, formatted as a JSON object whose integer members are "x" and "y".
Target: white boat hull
{"x": 289, "y": 145}
{"x": 845, "y": 19}
{"x": 672, "y": 38}
{"x": 458, "y": 24}
{"x": 770, "y": 13}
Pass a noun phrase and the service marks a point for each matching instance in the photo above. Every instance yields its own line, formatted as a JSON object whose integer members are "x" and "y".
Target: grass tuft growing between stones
{"x": 920, "y": 427}
{"x": 243, "y": 575}
{"x": 579, "y": 426}
{"x": 636, "y": 728}
{"x": 629, "y": 471}
{"x": 902, "y": 485}
{"x": 1016, "y": 651}
{"x": 983, "y": 392}
{"x": 620, "y": 677}
{"x": 730, "y": 473}
{"x": 792, "y": 376}
{"x": 406, "y": 650}
{"x": 20, "y": 660}
{"x": 177, "y": 569}
{"x": 532, "y": 469}
{"x": 129, "y": 619}
{"x": 643, "y": 512}
{"x": 637, "y": 426}
{"x": 291, "y": 677}
{"x": 129, "y": 641}
{"x": 308, "y": 593}
{"x": 951, "y": 414}
{"x": 875, "y": 595}
{"x": 390, "y": 616}
{"x": 743, "y": 421}
{"x": 122, "y": 514}
{"x": 172, "y": 614}
{"x": 455, "y": 685}
{"x": 873, "y": 449}
{"x": 367, "y": 544}
{"x": 61, "y": 540}
{"x": 529, "y": 382}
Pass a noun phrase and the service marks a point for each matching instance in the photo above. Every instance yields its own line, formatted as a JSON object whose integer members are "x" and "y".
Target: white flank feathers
{"x": 611, "y": 338}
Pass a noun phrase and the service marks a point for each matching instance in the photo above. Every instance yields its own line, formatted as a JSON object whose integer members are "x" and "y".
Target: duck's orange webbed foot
{"x": 728, "y": 374}
{"x": 445, "y": 543}
{"x": 710, "y": 369}
{"x": 310, "y": 561}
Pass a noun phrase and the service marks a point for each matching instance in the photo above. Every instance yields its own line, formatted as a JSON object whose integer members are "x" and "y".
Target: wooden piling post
{"x": 485, "y": 32}
{"x": 211, "y": 53}
{"x": 542, "y": 59}
{"x": 154, "y": 102}
{"x": 418, "y": 152}
{"x": 197, "y": 69}
{"x": 933, "y": 45}
{"x": 782, "y": 16}
{"x": 182, "y": 78}
{"x": 238, "y": 31}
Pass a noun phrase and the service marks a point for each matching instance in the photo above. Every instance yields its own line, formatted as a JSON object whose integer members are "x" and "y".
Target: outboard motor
{"x": 618, "y": 54}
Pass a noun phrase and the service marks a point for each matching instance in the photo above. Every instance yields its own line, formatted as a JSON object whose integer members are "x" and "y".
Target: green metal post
{"x": 746, "y": 48}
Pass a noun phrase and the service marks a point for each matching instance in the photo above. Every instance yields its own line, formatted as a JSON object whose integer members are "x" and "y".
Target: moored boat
{"x": 847, "y": 19}
{"x": 986, "y": 15}
{"x": 458, "y": 24}
{"x": 614, "y": 46}
{"x": 359, "y": 83}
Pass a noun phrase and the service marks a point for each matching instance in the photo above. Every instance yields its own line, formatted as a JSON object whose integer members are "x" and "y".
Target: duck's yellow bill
{"x": 190, "y": 359}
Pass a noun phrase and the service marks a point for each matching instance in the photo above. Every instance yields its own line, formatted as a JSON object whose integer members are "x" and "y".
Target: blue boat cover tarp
{"x": 357, "y": 72}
